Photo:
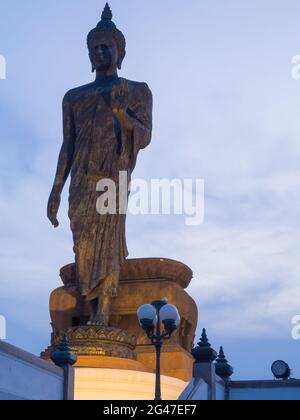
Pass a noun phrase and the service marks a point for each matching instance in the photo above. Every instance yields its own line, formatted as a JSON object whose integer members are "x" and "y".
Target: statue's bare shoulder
{"x": 76, "y": 93}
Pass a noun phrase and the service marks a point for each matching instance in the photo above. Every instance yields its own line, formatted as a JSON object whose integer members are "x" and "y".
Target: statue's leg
{"x": 92, "y": 307}
{"x": 107, "y": 292}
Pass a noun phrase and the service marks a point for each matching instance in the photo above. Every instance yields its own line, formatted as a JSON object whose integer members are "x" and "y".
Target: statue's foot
{"x": 97, "y": 323}
{"x": 99, "y": 320}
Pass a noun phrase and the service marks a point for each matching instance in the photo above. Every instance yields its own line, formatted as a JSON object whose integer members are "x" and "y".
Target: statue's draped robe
{"x": 100, "y": 149}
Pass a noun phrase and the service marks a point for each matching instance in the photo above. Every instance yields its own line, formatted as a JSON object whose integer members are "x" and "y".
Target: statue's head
{"x": 106, "y": 44}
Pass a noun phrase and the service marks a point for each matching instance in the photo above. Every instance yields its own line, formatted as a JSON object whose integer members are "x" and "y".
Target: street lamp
{"x": 150, "y": 318}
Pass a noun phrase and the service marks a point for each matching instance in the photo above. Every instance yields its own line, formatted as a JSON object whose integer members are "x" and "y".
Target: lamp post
{"x": 150, "y": 318}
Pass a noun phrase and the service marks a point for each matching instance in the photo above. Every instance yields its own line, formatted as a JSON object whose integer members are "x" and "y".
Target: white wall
{"x": 27, "y": 377}
{"x": 197, "y": 390}
{"x": 220, "y": 391}
{"x": 116, "y": 384}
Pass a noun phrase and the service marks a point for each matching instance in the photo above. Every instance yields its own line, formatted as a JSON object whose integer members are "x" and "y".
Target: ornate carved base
{"x": 141, "y": 281}
{"x": 97, "y": 341}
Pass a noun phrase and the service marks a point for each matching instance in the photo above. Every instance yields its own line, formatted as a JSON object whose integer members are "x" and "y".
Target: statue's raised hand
{"x": 120, "y": 101}
{"x": 53, "y": 206}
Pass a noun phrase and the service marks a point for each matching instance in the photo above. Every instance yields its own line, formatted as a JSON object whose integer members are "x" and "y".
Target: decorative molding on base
{"x": 97, "y": 341}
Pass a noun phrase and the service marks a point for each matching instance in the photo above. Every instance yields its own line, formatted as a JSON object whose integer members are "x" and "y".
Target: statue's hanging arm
{"x": 64, "y": 163}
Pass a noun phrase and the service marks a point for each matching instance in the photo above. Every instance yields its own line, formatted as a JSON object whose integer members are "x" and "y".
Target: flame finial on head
{"x": 107, "y": 13}
{"x": 106, "y": 22}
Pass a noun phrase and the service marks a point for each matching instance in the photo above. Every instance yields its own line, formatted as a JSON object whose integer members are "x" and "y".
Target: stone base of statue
{"x": 124, "y": 344}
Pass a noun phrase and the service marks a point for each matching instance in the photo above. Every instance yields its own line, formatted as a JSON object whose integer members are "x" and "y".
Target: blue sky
{"x": 226, "y": 109}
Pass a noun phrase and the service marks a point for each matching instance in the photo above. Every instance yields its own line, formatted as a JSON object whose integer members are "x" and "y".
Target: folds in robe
{"x": 102, "y": 148}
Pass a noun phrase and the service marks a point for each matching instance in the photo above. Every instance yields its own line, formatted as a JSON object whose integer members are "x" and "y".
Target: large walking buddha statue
{"x": 106, "y": 123}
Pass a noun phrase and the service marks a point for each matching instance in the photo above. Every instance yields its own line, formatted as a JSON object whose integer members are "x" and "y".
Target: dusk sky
{"x": 226, "y": 110}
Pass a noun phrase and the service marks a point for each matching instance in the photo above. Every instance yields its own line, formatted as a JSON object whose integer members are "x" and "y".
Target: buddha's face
{"x": 103, "y": 53}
